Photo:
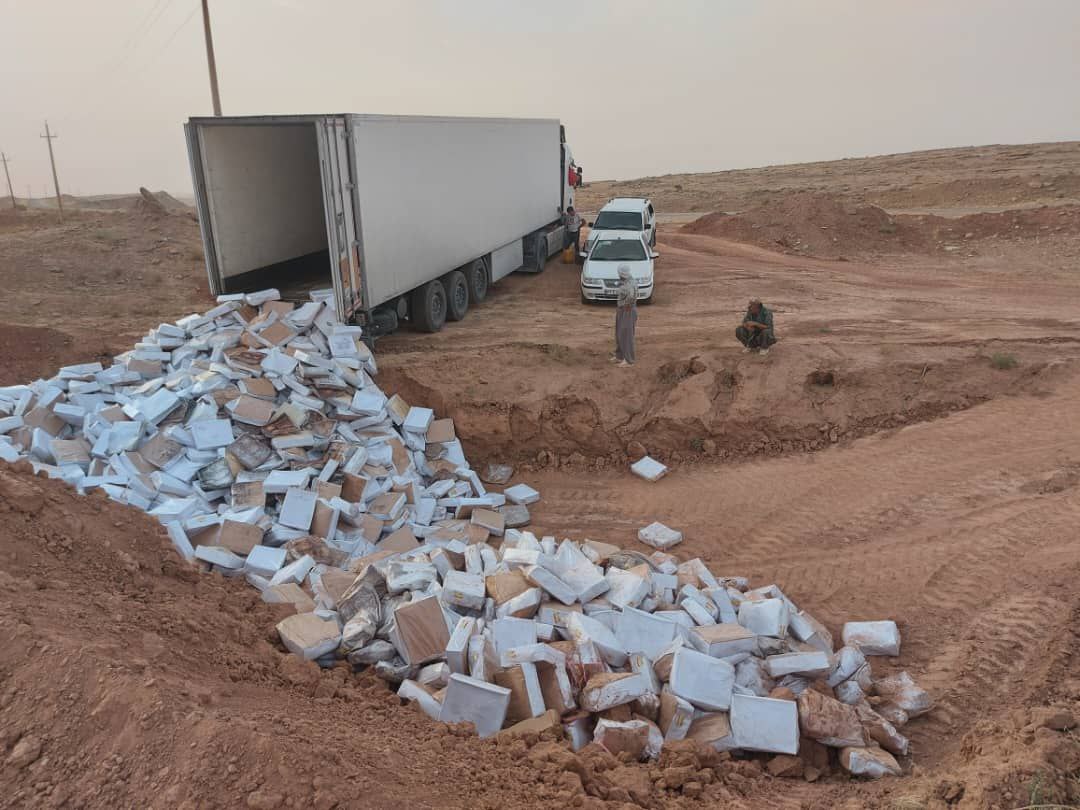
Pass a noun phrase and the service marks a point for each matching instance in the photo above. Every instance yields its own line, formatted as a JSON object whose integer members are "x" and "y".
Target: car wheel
{"x": 646, "y": 301}
{"x": 477, "y": 278}
{"x": 457, "y": 295}
{"x": 428, "y": 307}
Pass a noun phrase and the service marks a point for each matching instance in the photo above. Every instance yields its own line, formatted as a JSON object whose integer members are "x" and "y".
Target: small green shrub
{"x": 1003, "y": 362}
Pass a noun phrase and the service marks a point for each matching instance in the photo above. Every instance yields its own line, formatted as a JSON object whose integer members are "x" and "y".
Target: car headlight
{"x": 590, "y": 281}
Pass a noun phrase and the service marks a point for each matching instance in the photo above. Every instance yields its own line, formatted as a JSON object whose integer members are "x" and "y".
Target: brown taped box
{"x": 370, "y": 528}
{"x": 239, "y": 538}
{"x": 327, "y": 491}
{"x": 352, "y": 488}
{"x": 603, "y": 550}
{"x": 514, "y": 680}
{"x": 336, "y": 582}
{"x": 71, "y": 451}
{"x": 145, "y": 368}
{"x": 549, "y": 687}
{"x": 252, "y": 410}
{"x": 45, "y": 419}
{"x": 422, "y": 630}
{"x": 398, "y": 408}
{"x": 708, "y": 728}
{"x": 248, "y": 495}
{"x": 490, "y": 520}
{"x": 401, "y": 540}
{"x": 505, "y": 586}
{"x": 476, "y": 534}
{"x": 290, "y": 594}
{"x": 282, "y": 308}
{"x": 399, "y": 456}
{"x": 440, "y": 431}
{"x": 277, "y": 333}
{"x": 359, "y": 565}
{"x": 259, "y": 387}
{"x": 548, "y": 721}
{"x": 322, "y": 520}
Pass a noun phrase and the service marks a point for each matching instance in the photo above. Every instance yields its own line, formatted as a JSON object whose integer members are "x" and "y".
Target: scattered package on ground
{"x": 256, "y": 435}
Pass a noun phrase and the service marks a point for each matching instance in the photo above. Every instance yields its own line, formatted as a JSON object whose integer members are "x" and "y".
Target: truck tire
{"x": 477, "y": 278}
{"x": 457, "y": 295}
{"x": 540, "y": 254}
{"x": 427, "y": 307}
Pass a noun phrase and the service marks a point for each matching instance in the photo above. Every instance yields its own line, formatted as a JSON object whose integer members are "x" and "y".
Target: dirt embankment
{"x": 814, "y": 225}
{"x": 128, "y": 679}
{"x": 827, "y": 226}
{"x": 714, "y": 406}
{"x": 90, "y": 287}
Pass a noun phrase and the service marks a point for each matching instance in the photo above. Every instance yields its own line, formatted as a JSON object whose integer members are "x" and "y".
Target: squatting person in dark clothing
{"x": 756, "y": 331}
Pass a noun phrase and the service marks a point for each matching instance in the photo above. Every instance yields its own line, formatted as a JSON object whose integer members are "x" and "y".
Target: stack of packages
{"x": 256, "y": 435}
{"x": 627, "y": 651}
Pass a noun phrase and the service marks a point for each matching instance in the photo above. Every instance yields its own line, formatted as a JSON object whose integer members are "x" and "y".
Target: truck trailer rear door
{"x": 341, "y": 232}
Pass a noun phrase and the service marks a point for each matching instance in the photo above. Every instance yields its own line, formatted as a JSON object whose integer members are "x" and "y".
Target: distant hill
{"x": 1002, "y": 176}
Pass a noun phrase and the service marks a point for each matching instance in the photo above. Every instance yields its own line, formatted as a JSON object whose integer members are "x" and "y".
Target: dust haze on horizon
{"x": 644, "y": 88}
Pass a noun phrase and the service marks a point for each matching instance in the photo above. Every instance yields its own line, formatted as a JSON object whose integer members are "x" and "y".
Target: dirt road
{"x": 909, "y": 450}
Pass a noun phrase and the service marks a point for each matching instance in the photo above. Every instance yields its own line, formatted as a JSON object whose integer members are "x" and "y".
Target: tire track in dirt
{"x": 933, "y": 525}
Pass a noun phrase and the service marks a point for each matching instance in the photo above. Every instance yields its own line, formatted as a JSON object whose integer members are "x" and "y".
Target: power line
{"x": 161, "y": 49}
{"x": 179, "y": 28}
{"x": 130, "y": 47}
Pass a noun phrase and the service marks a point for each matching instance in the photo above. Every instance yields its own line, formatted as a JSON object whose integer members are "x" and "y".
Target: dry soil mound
{"x": 1020, "y": 224}
{"x": 812, "y": 224}
{"x": 128, "y": 679}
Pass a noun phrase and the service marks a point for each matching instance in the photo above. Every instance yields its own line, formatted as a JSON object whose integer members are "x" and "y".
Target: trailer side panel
{"x": 436, "y": 193}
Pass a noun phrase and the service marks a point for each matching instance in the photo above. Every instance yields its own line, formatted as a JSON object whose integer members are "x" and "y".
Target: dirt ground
{"x": 909, "y": 450}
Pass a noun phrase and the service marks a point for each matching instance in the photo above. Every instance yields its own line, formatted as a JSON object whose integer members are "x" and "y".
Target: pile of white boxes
{"x": 256, "y": 435}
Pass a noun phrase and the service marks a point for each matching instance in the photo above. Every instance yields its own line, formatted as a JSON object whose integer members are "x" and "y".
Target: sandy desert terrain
{"x": 909, "y": 450}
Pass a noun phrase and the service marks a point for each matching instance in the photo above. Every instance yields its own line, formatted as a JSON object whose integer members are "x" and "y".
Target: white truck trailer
{"x": 404, "y": 216}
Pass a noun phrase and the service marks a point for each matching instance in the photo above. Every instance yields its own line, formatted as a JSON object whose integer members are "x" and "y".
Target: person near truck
{"x": 625, "y": 319}
{"x": 572, "y": 223}
{"x": 756, "y": 330}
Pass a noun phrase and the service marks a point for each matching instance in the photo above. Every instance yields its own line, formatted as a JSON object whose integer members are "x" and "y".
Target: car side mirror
{"x": 654, "y": 255}
{"x": 589, "y": 224}
{"x": 583, "y": 255}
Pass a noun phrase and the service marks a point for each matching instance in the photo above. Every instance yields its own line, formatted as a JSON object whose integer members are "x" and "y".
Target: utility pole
{"x": 48, "y": 136}
{"x": 11, "y": 191}
{"x": 210, "y": 63}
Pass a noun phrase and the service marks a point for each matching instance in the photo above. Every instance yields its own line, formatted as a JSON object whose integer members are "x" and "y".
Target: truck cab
{"x": 626, "y": 214}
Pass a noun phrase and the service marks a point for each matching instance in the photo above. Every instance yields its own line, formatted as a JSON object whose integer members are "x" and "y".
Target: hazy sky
{"x": 643, "y": 86}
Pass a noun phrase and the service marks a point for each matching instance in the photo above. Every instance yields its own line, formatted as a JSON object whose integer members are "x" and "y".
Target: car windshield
{"x": 618, "y": 221}
{"x": 618, "y": 250}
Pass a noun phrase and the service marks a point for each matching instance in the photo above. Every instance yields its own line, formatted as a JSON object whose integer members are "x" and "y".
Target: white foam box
{"x": 649, "y": 468}
{"x": 765, "y": 724}
{"x": 474, "y": 701}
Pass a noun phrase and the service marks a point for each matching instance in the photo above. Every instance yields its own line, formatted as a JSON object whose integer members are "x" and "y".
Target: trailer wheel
{"x": 428, "y": 307}
{"x": 457, "y": 295}
{"x": 477, "y": 278}
{"x": 540, "y": 254}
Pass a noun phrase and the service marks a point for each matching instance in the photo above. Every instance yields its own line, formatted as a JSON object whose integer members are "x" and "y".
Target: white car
{"x": 626, "y": 214}
{"x": 608, "y": 251}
